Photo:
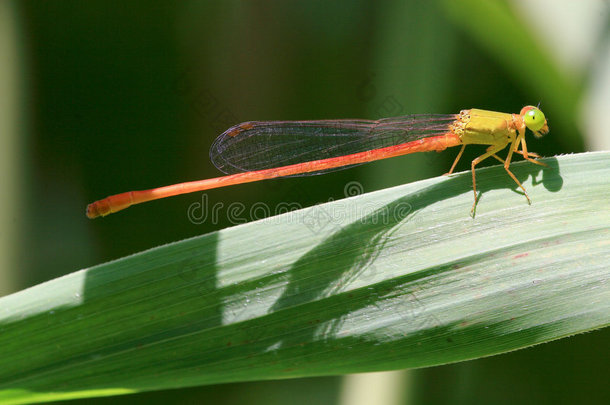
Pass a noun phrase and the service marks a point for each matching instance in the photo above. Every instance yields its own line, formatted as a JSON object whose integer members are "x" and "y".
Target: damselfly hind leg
{"x": 459, "y": 155}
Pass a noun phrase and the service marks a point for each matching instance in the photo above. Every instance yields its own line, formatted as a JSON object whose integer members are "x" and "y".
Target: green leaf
{"x": 398, "y": 278}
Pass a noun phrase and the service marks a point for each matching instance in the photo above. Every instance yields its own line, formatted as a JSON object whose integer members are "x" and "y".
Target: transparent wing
{"x": 263, "y": 145}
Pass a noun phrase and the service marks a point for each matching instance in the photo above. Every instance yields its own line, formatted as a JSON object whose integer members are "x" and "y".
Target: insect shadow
{"x": 351, "y": 251}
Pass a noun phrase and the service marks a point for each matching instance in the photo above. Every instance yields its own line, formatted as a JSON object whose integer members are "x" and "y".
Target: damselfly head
{"x": 535, "y": 120}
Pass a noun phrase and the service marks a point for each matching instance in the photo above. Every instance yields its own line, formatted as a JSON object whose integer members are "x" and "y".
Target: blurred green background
{"x": 102, "y": 97}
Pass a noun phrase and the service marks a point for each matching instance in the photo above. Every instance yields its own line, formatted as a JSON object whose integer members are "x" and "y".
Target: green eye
{"x": 534, "y": 119}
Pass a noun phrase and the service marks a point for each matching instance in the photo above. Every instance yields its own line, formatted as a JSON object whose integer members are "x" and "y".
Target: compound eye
{"x": 534, "y": 119}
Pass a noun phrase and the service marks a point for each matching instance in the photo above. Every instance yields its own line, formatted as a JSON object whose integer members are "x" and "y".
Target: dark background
{"x": 116, "y": 96}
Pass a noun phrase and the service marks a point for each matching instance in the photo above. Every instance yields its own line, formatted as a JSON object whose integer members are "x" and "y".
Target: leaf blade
{"x": 398, "y": 278}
